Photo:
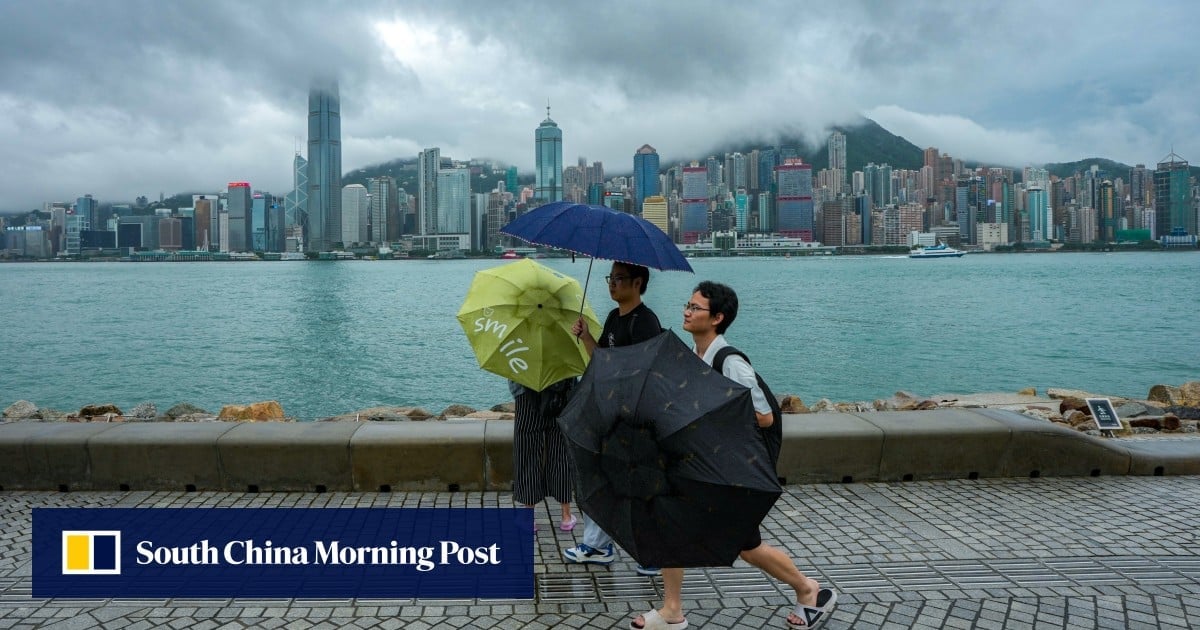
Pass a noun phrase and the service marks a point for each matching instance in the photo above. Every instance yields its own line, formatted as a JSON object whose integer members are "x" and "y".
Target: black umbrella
{"x": 668, "y": 457}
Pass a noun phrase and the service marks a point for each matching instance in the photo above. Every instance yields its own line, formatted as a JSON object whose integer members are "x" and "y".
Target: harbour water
{"x": 326, "y": 338}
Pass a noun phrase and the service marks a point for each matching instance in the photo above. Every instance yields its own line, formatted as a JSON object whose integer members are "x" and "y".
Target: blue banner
{"x": 428, "y": 553}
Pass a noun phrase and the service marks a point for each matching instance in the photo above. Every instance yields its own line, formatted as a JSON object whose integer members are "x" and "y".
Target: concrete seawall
{"x": 466, "y": 454}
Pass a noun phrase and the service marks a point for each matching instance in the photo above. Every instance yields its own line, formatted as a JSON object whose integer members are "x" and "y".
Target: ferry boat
{"x": 510, "y": 255}
{"x": 937, "y": 251}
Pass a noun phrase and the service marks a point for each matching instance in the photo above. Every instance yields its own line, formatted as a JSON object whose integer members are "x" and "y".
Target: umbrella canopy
{"x": 599, "y": 232}
{"x": 667, "y": 453}
{"x": 518, "y": 319}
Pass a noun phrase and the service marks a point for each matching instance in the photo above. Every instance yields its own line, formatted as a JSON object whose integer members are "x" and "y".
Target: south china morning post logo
{"x": 91, "y": 552}
{"x": 283, "y": 552}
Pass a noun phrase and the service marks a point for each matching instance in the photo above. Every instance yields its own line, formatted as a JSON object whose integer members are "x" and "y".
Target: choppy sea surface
{"x": 325, "y": 338}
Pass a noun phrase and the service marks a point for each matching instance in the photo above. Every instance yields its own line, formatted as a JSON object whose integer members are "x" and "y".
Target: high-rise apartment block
{"x": 429, "y": 162}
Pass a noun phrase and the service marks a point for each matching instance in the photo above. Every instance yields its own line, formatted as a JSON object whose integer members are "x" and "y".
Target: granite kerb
{"x": 474, "y": 455}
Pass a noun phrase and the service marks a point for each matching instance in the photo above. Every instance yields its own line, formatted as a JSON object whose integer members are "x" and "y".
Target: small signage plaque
{"x": 1104, "y": 414}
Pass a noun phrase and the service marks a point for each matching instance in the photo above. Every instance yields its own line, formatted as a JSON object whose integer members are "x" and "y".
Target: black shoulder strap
{"x": 719, "y": 360}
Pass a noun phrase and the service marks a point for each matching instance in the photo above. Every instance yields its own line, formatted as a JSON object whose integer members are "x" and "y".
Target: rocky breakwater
{"x": 264, "y": 411}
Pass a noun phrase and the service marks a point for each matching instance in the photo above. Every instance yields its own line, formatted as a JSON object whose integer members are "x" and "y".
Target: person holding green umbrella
{"x": 520, "y": 320}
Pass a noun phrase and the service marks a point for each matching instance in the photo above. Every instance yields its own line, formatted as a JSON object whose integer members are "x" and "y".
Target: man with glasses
{"x": 629, "y": 323}
{"x": 706, "y": 316}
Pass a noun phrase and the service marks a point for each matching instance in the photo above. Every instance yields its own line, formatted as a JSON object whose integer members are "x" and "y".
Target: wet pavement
{"x": 1106, "y": 552}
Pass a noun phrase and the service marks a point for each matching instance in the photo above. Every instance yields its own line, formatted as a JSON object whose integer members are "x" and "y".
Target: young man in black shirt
{"x": 629, "y": 323}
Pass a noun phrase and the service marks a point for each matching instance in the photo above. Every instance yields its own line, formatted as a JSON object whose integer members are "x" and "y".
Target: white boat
{"x": 937, "y": 251}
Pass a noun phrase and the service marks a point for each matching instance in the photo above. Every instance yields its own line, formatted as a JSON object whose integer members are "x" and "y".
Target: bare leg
{"x": 672, "y": 610}
{"x": 566, "y": 511}
{"x": 779, "y": 566}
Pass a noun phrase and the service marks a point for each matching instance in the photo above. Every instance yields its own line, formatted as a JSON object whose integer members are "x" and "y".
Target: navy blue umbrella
{"x": 598, "y": 232}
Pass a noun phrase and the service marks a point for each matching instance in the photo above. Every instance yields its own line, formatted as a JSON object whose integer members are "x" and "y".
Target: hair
{"x": 635, "y": 272}
{"x": 721, "y": 299}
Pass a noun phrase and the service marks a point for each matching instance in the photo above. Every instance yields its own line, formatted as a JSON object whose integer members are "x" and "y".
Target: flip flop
{"x": 655, "y": 621}
{"x": 813, "y": 616}
{"x": 568, "y": 525}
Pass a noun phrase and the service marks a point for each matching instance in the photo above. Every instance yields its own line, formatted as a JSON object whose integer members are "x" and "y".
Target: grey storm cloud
{"x": 129, "y": 98}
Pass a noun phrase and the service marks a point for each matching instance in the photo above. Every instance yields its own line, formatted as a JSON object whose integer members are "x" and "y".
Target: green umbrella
{"x": 518, "y": 319}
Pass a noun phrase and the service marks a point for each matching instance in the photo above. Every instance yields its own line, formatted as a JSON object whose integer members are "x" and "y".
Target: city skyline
{"x": 193, "y": 94}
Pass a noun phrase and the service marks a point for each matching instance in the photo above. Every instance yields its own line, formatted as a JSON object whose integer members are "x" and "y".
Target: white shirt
{"x": 738, "y": 370}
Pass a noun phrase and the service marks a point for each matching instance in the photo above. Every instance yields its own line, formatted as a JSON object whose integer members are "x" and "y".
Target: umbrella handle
{"x": 579, "y": 338}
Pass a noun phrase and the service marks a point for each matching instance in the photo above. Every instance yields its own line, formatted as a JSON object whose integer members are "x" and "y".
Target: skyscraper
{"x": 385, "y": 215}
{"x": 548, "y": 160}
{"x": 1173, "y": 198}
{"x": 694, "y": 203}
{"x": 429, "y": 162}
{"x": 794, "y": 204}
{"x": 354, "y": 214}
{"x": 238, "y": 204}
{"x": 1040, "y": 219}
{"x": 837, "y": 154}
{"x": 645, "y": 175}
{"x": 295, "y": 203}
{"x": 454, "y": 201}
{"x": 324, "y": 166}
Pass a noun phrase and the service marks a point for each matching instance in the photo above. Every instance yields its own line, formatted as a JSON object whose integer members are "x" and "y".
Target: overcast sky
{"x": 129, "y": 98}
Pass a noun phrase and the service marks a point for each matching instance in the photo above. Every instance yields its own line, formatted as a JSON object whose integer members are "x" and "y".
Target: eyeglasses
{"x": 692, "y": 308}
{"x": 615, "y": 279}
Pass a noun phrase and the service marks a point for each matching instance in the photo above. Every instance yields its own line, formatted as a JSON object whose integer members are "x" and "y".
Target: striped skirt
{"x": 541, "y": 465}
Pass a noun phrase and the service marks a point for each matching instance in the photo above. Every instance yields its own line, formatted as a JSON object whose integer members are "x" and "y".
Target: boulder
{"x": 1146, "y": 423}
{"x": 926, "y": 404}
{"x": 1059, "y": 393}
{"x": 792, "y": 404}
{"x": 456, "y": 411}
{"x": 1144, "y": 431}
{"x": 1028, "y": 391}
{"x": 144, "y": 411}
{"x": 1167, "y": 394}
{"x": 506, "y": 407}
{"x": 1189, "y": 426}
{"x": 883, "y": 405}
{"x": 1133, "y": 409}
{"x": 1072, "y": 403}
{"x": 1185, "y": 413}
{"x": 1075, "y": 417}
{"x": 92, "y": 411}
{"x": 1087, "y": 425}
{"x": 1191, "y": 393}
{"x": 264, "y": 411}
{"x": 903, "y": 396}
{"x": 1041, "y": 413}
{"x": 53, "y": 415}
{"x": 1171, "y": 422}
{"x": 196, "y": 417}
{"x": 416, "y": 413}
{"x": 489, "y": 415}
{"x": 183, "y": 409}
{"x": 371, "y": 414}
{"x": 823, "y": 405}
{"x": 21, "y": 410}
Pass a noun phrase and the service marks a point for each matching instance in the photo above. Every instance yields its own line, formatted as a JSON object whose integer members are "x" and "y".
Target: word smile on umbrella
{"x": 510, "y": 348}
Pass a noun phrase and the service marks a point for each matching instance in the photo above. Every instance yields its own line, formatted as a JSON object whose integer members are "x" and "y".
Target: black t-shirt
{"x": 636, "y": 326}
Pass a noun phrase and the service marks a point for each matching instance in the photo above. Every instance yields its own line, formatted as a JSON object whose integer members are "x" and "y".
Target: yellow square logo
{"x": 91, "y": 552}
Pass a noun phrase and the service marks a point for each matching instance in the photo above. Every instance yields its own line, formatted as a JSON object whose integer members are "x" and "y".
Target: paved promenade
{"x": 1106, "y": 552}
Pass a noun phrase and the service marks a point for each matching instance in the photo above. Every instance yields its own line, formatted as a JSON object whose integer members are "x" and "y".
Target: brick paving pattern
{"x": 1109, "y": 552}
